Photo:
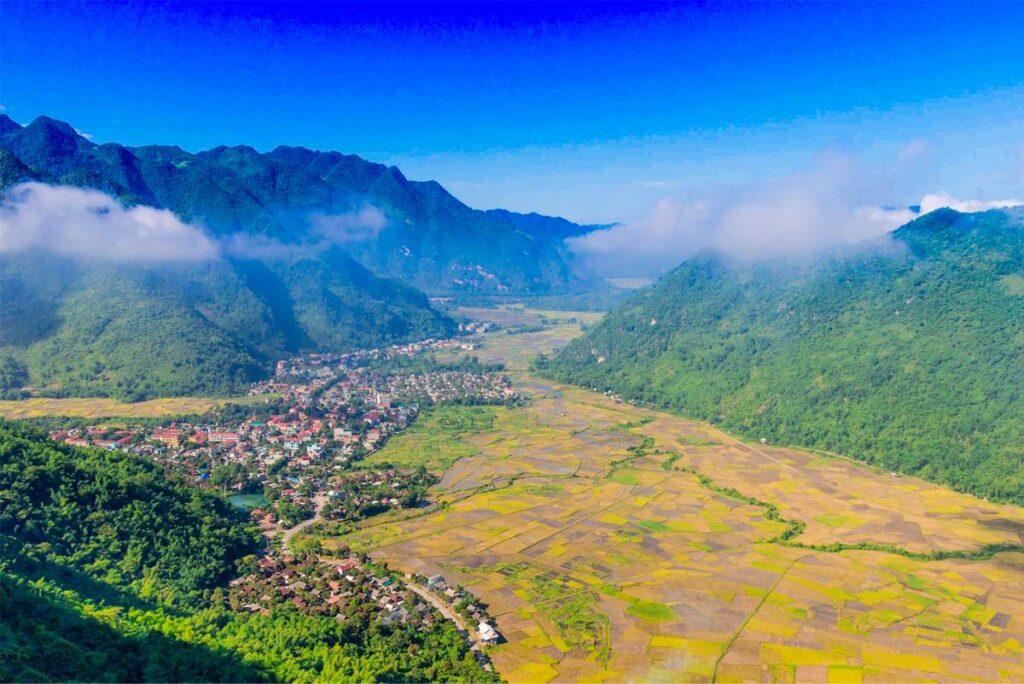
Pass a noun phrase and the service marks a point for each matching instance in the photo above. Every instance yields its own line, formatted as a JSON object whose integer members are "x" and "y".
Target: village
{"x": 355, "y": 588}
{"x": 321, "y": 415}
{"x": 294, "y": 458}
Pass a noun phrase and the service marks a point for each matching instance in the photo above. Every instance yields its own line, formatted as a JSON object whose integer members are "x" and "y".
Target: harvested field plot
{"x": 615, "y": 543}
{"x": 516, "y": 351}
{"x": 98, "y": 407}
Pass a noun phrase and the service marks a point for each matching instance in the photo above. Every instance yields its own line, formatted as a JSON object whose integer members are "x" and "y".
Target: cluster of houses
{"x": 101, "y": 436}
{"x": 361, "y": 493}
{"x": 476, "y": 328}
{"x": 455, "y": 385}
{"x": 339, "y": 590}
{"x": 466, "y": 605}
{"x": 323, "y": 413}
{"x": 325, "y": 365}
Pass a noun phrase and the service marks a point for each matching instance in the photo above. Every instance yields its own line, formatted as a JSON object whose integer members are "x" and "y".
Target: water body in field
{"x": 247, "y": 502}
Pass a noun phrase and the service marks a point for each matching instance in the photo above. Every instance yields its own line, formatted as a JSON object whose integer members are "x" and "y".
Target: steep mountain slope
{"x": 430, "y": 239}
{"x": 910, "y": 358}
{"x": 131, "y": 331}
{"x": 90, "y": 326}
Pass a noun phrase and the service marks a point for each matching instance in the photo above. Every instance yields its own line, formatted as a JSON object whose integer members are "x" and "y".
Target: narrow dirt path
{"x": 739, "y": 631}
{"x": 447, "y": 611}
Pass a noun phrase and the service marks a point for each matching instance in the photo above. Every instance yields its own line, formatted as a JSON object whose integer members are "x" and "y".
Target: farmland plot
{"x": 615, "y": 543}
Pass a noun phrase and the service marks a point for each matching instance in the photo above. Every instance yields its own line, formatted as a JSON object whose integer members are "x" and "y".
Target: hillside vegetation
{"x": 108, "y": 572}
{"x": 910, "y": 357}
{"x": 284, "y": 283}
{"x": 73, "y": 328}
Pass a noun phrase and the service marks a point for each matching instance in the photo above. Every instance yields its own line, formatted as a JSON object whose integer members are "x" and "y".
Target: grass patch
{"x": 437, "y": 439}
{"x": 645, "y": 610}
{"x": 652, "y": 611}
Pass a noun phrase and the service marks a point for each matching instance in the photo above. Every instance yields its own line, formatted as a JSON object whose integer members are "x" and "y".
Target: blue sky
{"x": 594, "y": 112}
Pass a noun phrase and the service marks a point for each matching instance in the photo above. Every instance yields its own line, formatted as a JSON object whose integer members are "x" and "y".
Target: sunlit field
{"x": 516, "y": 351}
{"x": 612, "y": 542}
{"x": 97, "y": 407}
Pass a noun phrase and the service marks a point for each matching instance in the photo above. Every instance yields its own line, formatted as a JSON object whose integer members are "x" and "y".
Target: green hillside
{"x": 77, "y": 327}
{"x": 909, "y": 357}
{"x": 133, "y": 332}
{"x": 108, "y": 572}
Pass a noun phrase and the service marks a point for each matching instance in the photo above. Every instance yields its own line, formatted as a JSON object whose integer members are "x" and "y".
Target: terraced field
{"x": 616, "y": 543}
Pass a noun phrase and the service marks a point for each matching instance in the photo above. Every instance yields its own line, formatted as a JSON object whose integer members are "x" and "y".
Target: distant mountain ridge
{"x": 431, "y": 240}
{"x": 911, "y": 357}
{"x": 88, "y": 326}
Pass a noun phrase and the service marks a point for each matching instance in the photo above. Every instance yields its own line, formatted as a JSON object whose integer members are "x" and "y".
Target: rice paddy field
{"x": 613, "y": 543}
{"x": 98, "y": 407}
{"x": 518, "y": 350}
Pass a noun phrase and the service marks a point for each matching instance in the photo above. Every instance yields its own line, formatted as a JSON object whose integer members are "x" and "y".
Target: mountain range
{"x": 301, "y": 237}
{"x": 426, "y": 237}
{"x": 908, "y": 355}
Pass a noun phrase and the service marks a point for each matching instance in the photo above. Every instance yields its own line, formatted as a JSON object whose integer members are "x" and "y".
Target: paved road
{"x": 320, "y": 501}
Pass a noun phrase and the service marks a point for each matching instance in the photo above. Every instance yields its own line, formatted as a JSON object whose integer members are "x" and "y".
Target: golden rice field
{"x": 605, "y": 564}
{"x": 98, "y": 407}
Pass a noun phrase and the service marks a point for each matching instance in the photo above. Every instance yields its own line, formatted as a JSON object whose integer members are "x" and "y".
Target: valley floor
{"x": 614, "y": 543}
{"x": 599, "y": 562}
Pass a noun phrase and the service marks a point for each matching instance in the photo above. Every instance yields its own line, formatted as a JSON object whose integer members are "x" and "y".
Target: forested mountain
{"x": 109, "y": 572}
{"x": 137, "y": 331}
{"x": 910, "y": 356}
{"x": 429, "y": 239}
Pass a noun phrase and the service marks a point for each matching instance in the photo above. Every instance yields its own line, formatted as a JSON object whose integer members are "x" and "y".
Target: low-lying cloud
{"x": 90, "y": 224}
{"x": 840, "y": 203}
{"x": 326, "y": 231}
{"x": 940, "y": 200}
{"x": 362, "y": 225}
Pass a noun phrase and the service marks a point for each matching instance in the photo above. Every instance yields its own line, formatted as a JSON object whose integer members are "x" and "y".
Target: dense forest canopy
{"x": 133, "y": 332}
{"x": 909, "y": 356}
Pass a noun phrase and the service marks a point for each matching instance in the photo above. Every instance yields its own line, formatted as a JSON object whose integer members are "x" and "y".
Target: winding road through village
{"x": 320, "y": 500}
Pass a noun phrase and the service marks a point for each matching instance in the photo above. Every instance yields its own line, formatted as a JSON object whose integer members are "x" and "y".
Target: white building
{"x": 487, "y": 634}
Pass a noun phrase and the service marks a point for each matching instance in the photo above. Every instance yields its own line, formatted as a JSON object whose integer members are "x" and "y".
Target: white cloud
{"x": 263, "y": 248}
{"x": 327, "y": 230}
{"x": 90, "y": 224}
{"x": 833, "y": 204}
{"x": 939, "y": 200}
{"x": 357, "y": 226}
{"x": 839, "y": 203}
